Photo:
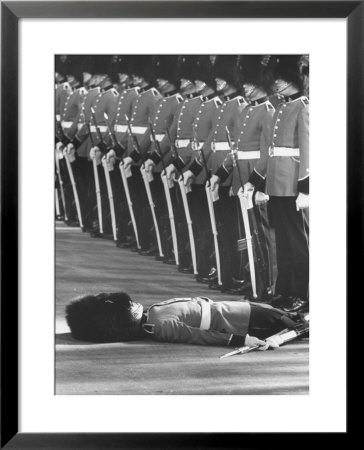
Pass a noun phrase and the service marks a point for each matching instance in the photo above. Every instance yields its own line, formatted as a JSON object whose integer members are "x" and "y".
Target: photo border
{"x": 11, "y": 12}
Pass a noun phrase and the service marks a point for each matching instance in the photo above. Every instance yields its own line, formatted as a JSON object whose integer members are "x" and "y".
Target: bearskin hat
{"x": 166, "y": 67}
{"x": 204, "y": 71}
{"x": 288, "y": 68}
{"x": 119, "y": 64}
{"x": 186, "y": 67}
{"x": 226, "y": 68}
{"x": 105, "y": 317}
{"x": 256, "y": 70}
{"x": 143, "y": 66}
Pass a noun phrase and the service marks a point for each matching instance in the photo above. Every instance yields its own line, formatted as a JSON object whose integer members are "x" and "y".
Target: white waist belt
{"x": 182, "y": 143}
{"x": 216, "y": 146}
{"x": 255, "y": 154}
{"x": 197, "y": 146}
{"x": 120, "y": 128}
{"x": 66, "y": 124}
{"x": 102, "y": 128}
{"x": 138, "y": 130}
{"x": 205, "y": 314}
{"x": 284, "y": 151}
{"x": 159, "y": 137}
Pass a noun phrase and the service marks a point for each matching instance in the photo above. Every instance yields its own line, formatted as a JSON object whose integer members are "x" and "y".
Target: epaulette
{"x": 155, "y": 92}
{"x": 305, "y": 100}
{"x": 114, "y": 92}
{"x": 179, "y": 98}
{"x": 269, "y": 106}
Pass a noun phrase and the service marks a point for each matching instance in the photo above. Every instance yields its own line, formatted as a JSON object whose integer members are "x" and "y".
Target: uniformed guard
{"x": 285, "y": 168}
{"x": 143, "y": 109}
{"x": 115, "y": 317}
{"x": 216, "y": 149}
{"x": 251, "y": 128}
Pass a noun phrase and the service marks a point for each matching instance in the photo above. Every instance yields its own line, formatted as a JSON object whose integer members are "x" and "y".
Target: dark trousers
{"x": 291, "y": 230}
{"x": 82, "y": 171}
{"x": 202, "y": 229}
{"x": 265, "y": 321}
{"x": 70, "y": 212}
{"x": 184, "y": 250}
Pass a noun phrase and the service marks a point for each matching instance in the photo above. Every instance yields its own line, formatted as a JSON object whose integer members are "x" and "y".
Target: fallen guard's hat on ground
{"x": 256, "y": 70}
{"x": 226, "y": 68}
{"x": 288, "y": 68}
{"x": 166, "y": 68}
{"x": 143, "y": 66}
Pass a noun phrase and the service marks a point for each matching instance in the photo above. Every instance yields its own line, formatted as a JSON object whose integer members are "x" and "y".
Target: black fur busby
{"x": 187, "y": 67}
{"x": 119, "y": 64}
{"x": 256, "y": 70}
{"x": 204, "y": 71}
{"x": 288, "y": 68}
{"x": 166, "y": 67}
{"x": 143, "y": 66}
{"x": 226, "y": 68}
{"x": 105, "y": 317}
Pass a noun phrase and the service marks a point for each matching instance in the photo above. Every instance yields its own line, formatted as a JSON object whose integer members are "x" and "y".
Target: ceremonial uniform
{"x": 143, "y": 109}
{"x": 201, "y": 321}
{"x": 285, "y": 168}
{"x": 251, "y": 133}
{"x": 217, "y": 148}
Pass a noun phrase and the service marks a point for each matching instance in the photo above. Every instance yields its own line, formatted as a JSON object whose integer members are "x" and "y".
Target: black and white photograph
{"x": 181, "y": 224}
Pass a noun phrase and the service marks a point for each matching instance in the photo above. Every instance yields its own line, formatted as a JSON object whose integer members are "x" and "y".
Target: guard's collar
{"x": 259, "y": 101}
{"x": 229, "y": 97}
{"x": 205, "y": 98}
{"x": 290, "y": 98}
{"x": 171, "y": 93}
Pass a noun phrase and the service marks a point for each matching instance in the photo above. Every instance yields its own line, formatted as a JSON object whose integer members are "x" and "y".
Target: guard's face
{"x": 200, "y": 85}
{"x": 136, "y": 310}
{"x": 161, "y": 82}
{"x": 137, "y": 80}
{"x": 187, "y": 86}
{"x": 280, "y": 85}
{"x": 220, "y": 84}
{"x": 249, "y": 90}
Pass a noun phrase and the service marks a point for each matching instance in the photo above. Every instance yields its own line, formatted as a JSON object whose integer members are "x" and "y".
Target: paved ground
{"x": 86, "y": 265}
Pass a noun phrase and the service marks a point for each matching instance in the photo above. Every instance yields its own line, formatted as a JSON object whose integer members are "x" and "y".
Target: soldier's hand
{"x": 302, "y": 201}
{"x": 127, "y": 162}
{"x": 59, "y": 149}
{"x": 274, "y": 341}
{"x": 170, "y": 170}
{"x": 252, "y": 341}
{"x": 111, "y": 157}
{"x": 214, "y": 182}
{"x": 187, "y": 177}
{"x": 148, "y": 165}
{"x": 95, "y": 153}
{"x": 261, "y": 198}
{"x": 248, "y": 189}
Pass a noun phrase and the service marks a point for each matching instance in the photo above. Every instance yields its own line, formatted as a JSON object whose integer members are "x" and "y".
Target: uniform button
{"x": 276, "y": 127}
{"x": 284, "y": 106}
{"x": 275, "y": 135}
{"x": 242, "y": 132}
{"x": 219, "y": 117}
{"x": 244, "y": 125}
{"x": 247, "y": 117}
{"x": 117, "y": 115}
{"x": 280, "y": 112}
{"x": 198, "y": 118}
{"x": 278, "y": 120}
{"x": 250, "y": 109}
{"x": 215, "y": 132}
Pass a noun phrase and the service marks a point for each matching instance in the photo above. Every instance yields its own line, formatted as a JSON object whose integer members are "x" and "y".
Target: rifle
{"x": 97, "y": 181}
{"x": 185, "y": 206}
{"x": 119, "y": 150}
{"x": 286, "y": 335}
{"x": 245, "y": 204}
{"x": 101, "y": 145}
{"x": 168, "y": 196}
{"x": 147, "y": 187}
{"x": 210, "y": 203}
{"x": 58, "y": 170}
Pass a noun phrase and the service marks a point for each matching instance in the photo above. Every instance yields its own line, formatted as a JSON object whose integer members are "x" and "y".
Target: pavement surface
{"x": 93, "y": 265}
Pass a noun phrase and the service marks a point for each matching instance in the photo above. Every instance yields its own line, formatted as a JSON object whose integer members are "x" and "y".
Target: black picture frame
{"x": 11, "y": 12}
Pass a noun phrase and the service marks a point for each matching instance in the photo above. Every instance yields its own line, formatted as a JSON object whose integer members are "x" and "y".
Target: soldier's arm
{"x": 197, "y": 164}
{"x": 303, "y": 142}
{"x": 259, "y": 173}
{"x": 227, "y": 166}
{"x": 173, "y": 330}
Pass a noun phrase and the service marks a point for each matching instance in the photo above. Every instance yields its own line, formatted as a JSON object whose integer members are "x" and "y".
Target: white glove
{"x": 59, "y": 146}
{"x": 214, "y": 182}
{"x": 261, "y": 198}
{"x": 248, "y": 189}
{"x": 148, "y": 165}
{"x": 111, "y": 157}
{"x": 302, "y": 201}
{"x": 187, "y": 178}
{"x": 274, "y": 341}
{"x": 170, "y": 170}
{"x": 95, "y": 153}
{"x": 127, "y": 162}
{"x": 252, "y": 341}
{"x": 70, "y": 150}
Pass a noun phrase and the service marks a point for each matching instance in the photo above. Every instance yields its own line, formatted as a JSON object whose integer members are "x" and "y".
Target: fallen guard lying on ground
{"x": 114, "y": 317}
